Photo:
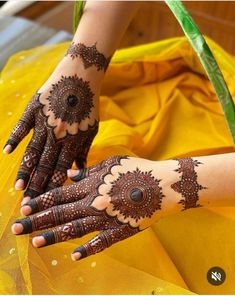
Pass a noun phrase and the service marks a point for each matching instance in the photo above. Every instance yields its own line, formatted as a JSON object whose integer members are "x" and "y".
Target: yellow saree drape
{"x": 156, "y": 103}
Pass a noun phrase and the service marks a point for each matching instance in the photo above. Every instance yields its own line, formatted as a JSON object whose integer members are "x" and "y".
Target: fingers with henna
{"x": 64, "y": 162}
{"x": 102, "y": 241}
{"x": 57, "y": 196}
{"x": 56, "y": 215}
{"x": 70, "y": 230}
{"x": 43, "y": 171}
{"x": 24, "y": 125}
{"x": 78, "y": 175}
{"x": 19, "y": 132}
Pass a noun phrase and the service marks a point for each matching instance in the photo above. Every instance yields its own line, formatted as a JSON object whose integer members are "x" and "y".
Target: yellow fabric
{"x": 156, "y": 103}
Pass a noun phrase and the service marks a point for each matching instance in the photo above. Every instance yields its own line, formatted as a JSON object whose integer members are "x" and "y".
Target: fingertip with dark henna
{"x": 10, "y": 146}
{"x": 79, "y": 253}
{"x": 22, "y": 180}
{"x": 30, "y": 207}
{"x": 81, "y": 175}
{"x": 25, "y": 228}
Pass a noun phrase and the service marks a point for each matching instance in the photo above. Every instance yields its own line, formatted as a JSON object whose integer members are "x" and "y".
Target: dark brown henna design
{"x": 188, "y": 185}
{"x": 27, "y": 225}
{"x": 105, "y": 239}
{"x": 33, "y": 151}
{"x": 28, "y": 163}
{"x": 46, "y": 200}
{"x": 136, "y": 194}
{"x": 64, "y": 128}
{"x": 74, "y": 229}
{"x": 25, "y": 124}
{"x": 115, "y": 207}
{"x": 70, "y": 99}
{"x": 71, "y": 193}
{"x": 90, "y": 56}
{"x": 43, "y": 171}
{"x": 111, "y": 161}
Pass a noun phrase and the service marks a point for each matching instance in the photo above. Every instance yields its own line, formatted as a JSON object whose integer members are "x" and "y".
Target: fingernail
{"x": 17, "y": 228}
{"x": 25, "y": 200}
{"x": 19, "y": 185}
{"x": 7, "y": 149}
{"x": 71, "y": 173}
{"x": 38, "y": 241}
{"x": 25, "y": 210}
{"x": 76, "y": 256}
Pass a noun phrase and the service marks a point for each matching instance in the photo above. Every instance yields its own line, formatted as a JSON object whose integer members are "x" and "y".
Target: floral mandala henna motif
{"x": 188, "y": 185}
{"x": 70, "y": 99}
{"x": 90, "y": 56}
{"x": 136, "y": 194}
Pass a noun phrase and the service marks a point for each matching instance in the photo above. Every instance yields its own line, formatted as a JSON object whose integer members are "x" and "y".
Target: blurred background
{"x": 25, "y": 24}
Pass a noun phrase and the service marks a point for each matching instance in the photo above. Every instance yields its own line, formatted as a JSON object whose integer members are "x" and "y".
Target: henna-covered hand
{"x": 64, "y": 115}
{"x": 118, "y": 197}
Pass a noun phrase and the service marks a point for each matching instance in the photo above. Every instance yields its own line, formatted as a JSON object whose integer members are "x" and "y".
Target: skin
{"x": 103, "y": 192}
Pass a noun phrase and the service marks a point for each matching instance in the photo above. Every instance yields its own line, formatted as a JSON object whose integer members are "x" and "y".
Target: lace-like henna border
{"x": 90, "y": 56}
{"x": 188, "y": 185}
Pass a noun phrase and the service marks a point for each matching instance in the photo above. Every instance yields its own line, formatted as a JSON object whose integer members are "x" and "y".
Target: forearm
{"x": 105, "y": 22}
{"x": 102, "y": 25}
{"x": 204, "y": 181}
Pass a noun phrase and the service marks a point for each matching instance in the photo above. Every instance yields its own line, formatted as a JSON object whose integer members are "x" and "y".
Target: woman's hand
{"x": 64, "y": 115}
{"x": 64, "y": 111}
{"x": 117, "y": 197}
{"x": 122, "y": 195}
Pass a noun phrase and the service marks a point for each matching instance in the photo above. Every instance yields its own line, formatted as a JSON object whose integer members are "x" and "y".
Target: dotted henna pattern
{"x": 71, "y": 99}
{"x": 188, "y": 185}
{"x": 90, "y": 56}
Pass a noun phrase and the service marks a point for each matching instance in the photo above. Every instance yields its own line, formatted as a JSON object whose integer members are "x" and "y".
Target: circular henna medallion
{"x": 71, "y": 99}
{"x": 136, "y": 194}
{"x": 189, "y": 187}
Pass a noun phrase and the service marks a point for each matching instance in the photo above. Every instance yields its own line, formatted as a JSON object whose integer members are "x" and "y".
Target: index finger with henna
{"x": 54, "y": 197}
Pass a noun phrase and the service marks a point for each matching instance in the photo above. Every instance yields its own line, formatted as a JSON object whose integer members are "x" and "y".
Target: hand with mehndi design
{"x": 122, "y": 196}
{"x": 110, "y": 197}
{"x": 64, "y": 116}
{"x": 64, "y": 111}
